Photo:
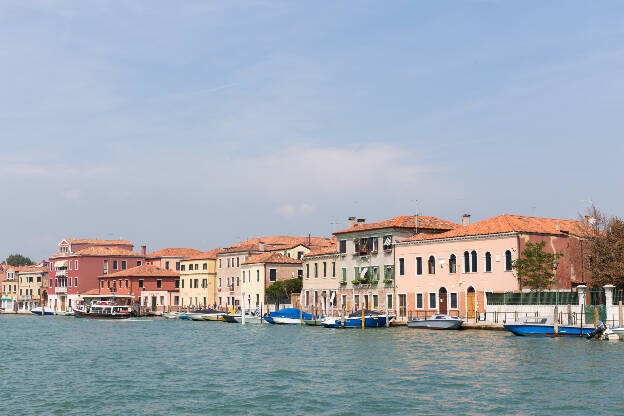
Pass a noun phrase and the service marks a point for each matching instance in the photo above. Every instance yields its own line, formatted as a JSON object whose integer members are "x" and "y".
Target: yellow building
{"x": 198, "y": 280}
{"x": 32, "y": 286}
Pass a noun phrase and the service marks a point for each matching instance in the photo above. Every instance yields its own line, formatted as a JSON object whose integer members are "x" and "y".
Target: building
{"x": 9, "y": 289}
{"x": 320, "y": 279}
{"x": 170, "y": 258}
{"x": 261, "y": 271}
{"x": 198, "y": 280}
{"x": 450, "y": 272}
{"x": 230, "y": 258}
{"x": 366, "y": 258}
{"x": 153, "y": 288}
{"x": 75, "y": 268}
{"x": 32, "y": 286}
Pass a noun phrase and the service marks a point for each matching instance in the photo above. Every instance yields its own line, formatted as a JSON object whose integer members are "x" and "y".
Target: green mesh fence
{"x": 533, "y": 298}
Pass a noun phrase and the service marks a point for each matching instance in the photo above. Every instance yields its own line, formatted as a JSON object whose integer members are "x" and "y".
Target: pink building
{"x": 452, "y": 271}
{"x": 75, "y": 268}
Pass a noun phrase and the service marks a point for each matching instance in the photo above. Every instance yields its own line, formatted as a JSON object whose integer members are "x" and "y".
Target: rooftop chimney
{"x": 416, "y": 224}
{"x": 466, "y": 219}
{"x": 351, "y": 221}
{"x": 260, "y": 246}
{"x": 143, "y": 250}
{"x": 586, "y": 219}
{"x": 361, "y": 220}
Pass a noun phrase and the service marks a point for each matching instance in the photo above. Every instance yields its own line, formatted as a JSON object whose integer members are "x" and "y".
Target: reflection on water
{"x": 186, "y": 367}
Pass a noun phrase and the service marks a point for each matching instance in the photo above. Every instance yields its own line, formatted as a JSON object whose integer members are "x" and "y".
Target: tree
{"x": 605, "y": 260}
{"x": 281, "y": 291}
{"x": 18, "y": 260}
{"x": 535, "y": 268}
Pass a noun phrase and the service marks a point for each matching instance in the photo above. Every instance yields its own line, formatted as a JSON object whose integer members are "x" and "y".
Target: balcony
{"x": 61, "y": 272}
{"x": 60, "y": 289}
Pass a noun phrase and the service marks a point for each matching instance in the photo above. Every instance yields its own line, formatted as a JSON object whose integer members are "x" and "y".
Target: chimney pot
{"x": 143, "y": 250}
{"x": 361, "y": 220}
{"x": 416, "y": 222}
{"x": 466, "y": 219}
{"x": 351, "y": 221}
{"x": 261, "y": 246}
{"x": 586, "y": 219}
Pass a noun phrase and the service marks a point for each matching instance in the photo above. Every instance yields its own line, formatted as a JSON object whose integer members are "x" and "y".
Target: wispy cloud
{"x": 294, "y": 210}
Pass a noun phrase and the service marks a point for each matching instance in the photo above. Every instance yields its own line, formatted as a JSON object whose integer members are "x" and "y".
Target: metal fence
{"x": 533, "y": 298}
{"x": 584, "y": 317}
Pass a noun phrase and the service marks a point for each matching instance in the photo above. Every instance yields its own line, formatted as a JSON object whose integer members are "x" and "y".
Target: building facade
{"x": 9, "y": 289}
{"x": 366, "y": 263}
{"x": 75, "y": 267}
{"x": 320, "y": 280}
{"x": 32, "y": 286}
{"x": 170, "y": 258}
{"x": 198, "y": 280}
{"x": 451, "y": 272}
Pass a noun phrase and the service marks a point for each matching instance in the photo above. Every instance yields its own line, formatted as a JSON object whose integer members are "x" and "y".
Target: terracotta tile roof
{"x": 404, "y": 221}
{"x": 174, "y": 252}
{"x": 91, "y": 292}
{"x": 269, "y": 257}
{"x": 146, "y": 270}
{"x": 103, "y": 251}
{"x": 30, "y": 269}
{"x": 323, "y": 251}
{"x": 95, "y": 241}
{"x": 508, "y": 223}
{"x": 208, "y": 255}
{"x": 279, "y": 243}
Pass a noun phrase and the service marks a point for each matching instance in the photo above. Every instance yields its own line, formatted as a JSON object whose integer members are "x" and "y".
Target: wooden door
{"x": 63, "y": 303}
{"x": 442, "y": 302}
{"x": 470, "y": 304}
{"x": 153, "y": 303}
{"x": 402, "y": 305}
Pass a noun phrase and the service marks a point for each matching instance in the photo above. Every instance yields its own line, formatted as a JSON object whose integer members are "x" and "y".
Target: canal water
{"x": 62, "y": 366}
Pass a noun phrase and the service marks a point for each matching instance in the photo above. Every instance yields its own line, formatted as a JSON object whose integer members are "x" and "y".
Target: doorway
{"x": 470, "y": 303}
{"x": 402, "y": 305}
{"x": 442, "y": 302}
{"x": 153, "y": 303}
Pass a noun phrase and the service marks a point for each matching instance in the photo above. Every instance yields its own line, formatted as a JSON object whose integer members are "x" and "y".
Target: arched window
{"x": 488, "y": 262}
{"x": 473, "y": 254}
{"x": 431, "y": 265}
{"x": 466, "y": 262}
{"x": 452, "y": 264}
{"x": 508, "y": 260}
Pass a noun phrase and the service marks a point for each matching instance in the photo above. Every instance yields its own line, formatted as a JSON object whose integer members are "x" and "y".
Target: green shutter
{"x": 357, "y": 273}
{"x": 344, "y": 274}
{"x": 392, "y": 272}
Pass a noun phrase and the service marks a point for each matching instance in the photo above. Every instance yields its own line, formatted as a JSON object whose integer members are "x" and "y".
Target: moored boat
{"x": 42, "y": 311}
{"x": 438, "y": 321}
{"x": 249, "y": 319}
{"x": 372, "y": 319}
{"x": 287, "y": 316}
{"x": 619, "y": 332}
{"x": 544, "y": 326}
{"x": 171, "y": 315}
{"x": 105, "y": 310}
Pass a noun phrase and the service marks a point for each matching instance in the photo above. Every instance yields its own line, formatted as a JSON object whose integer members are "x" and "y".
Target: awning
{"x": 60, "y": 264}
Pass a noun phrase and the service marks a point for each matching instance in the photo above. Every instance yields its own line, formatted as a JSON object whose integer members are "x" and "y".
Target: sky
{"x": 200, "y": 124}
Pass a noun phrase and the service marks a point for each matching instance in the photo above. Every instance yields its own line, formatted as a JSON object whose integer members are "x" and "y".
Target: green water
{"x": 63, "y": 366}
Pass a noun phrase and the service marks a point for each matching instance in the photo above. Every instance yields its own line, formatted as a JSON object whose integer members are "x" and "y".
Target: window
{"x": 419, "y": 300}
{"x": 453, "y": 300}
{"x": 401, "y": 266}
{"x": 177, "y": 283}
{"x": 219, "y": 267}
{"x": 205, "y": 266}
{"x": 257, "y": 275}
{"x": 375, "y": 301}
{"x": 124, "y": 265}
{"x": 343, "y": 246}
{"x": 272, "y": 275}
{"x": 507, "y": 260}
{"x": 183, "y": 267}
{"x": 70, "y": 264}
{"x": 389, "y": 301}
{"x": 344, "y": 274}
{"x": 204, "y": 285}
{"x": 105, "y": 267}
{"x": 76, "y": 282}
{"x": 432, "y": 300}
{"x": 373, "y": 244}
{"x": 114, "y": 264}
{"x": 195, "y": 282}
{"x": 166, "y": 265}
{"x": 139, "y": 262}
{"x": 389, "y": 272}
{"x": 387, "y": 242}
{"x": 108, "y": 284}
{"x": 324, "y": 269}
{"x": 244, "y": 277}
{"x": 308, "y": 271}
{"x": 315, "y": 270}
{"x": 127, "y": 283}
{"x": 333, "y": 269}
{"x": 102, "y": 284}
{"x": 196, "y": 266}
{"x": 177, "y": 265}
{"x": 344, "y": 301}
{"x": 237, "y": 282}
{"x": 418, "y": 265}
{"x": 237, "y": 261}
{"x": 182, "y": 281}
{"x": 176, "y": 300}
{"x": 162, "y": 300}
{"x": 141, "y": 283}
{"x": 300, "y": 274}
{"x": 356, "y": 300}
{"x": 488, "y": 262}
{"x": 473, "y": 259}
{"x": 219, "y": 282}
{"x": 466, "y": 262}
{"x": 452, "y": 264}
{"x": 299, "y": 255}
{"x": 431, "y": 265}
{"x": 158, "y": 283}
{"x": 75, "y": 264}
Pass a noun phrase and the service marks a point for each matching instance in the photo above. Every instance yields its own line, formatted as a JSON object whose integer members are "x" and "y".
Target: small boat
{"x": 438, "y": 321}
{"x": 185, "y": 317}
{"x": 249, "y": 319}
{"x": 544, "y": 326}
{"x": 171, "y": 315}
{"x": 287, "y": 316}
{"x": 231, "y": 318}
{"x": 65, "y": 313}
{"x": 105, "y": 310}
{"x": 372, "y": 319}
{"x": 619, "y": 332}
{"x": 42, "y": 311}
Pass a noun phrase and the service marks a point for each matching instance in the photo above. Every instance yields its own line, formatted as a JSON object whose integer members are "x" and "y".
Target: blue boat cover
{"x": 292, "y": 313}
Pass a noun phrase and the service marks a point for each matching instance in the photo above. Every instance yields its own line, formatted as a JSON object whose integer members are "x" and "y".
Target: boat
{"x": 104, "y": 310}
{"x": 372, "y": 319}
{"x": 619, "y": 332}
{"x": 318, "y": 321}
{"x": 171, "y": 315}
{"x": 185, "y": 317}
{"x": 249, "y": 319}
{"x": 65, "y": 313}
{"x": 438, "y": 321}
{"x": 544, "y": 326}
{"x": 42, "y": 311}
{"x": 211, "y": 314}
{"x": 287, "y": 316}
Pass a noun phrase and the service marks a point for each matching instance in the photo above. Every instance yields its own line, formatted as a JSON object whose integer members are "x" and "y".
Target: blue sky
{"x": 198, "y": 124}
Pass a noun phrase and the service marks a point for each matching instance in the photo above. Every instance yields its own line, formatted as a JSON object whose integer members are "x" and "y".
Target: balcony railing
{"x": 60, "y": 289}
{"x": 61, "y": 272}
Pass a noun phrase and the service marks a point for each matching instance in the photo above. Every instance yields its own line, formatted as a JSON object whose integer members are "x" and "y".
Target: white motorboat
{"x": 619, "y": 332}
{"x": 195, "y": 316}
{"x": 42, "y": 311}
{"x": 436, "y": 322}
{"x": 65, "y": 313}
{"x": 171, "y": 315}
{"x": 249, "y": 319}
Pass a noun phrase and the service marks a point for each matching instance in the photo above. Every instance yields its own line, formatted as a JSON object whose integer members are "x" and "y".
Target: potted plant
{"x": 387, "y": 281}
{"x": 343, "y": 282}
{"x": 355, "y": 282}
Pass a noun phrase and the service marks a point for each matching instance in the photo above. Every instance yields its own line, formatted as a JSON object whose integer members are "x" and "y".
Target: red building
{"x": 155, "y": 288}
{"x": 75, "y": 268}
